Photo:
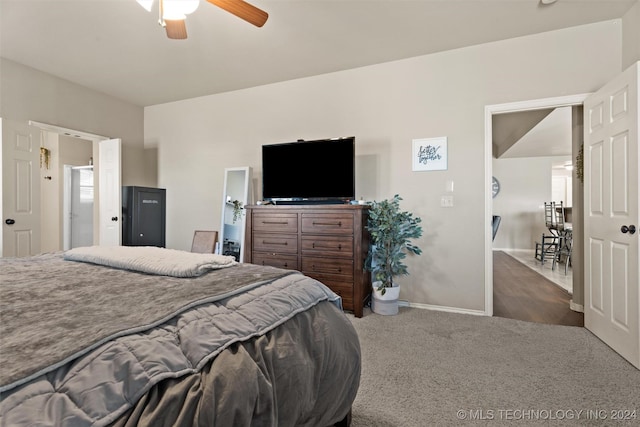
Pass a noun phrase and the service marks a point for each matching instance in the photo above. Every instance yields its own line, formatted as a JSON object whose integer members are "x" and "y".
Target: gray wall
{"x": 631, "y": 36}
{"x": 385, "y": 106}
{"x": 525, "y": 184}
{"x": 27, "y": 94}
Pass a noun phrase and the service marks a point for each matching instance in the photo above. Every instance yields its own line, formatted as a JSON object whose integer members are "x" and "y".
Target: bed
{"x": 134, "y": 336}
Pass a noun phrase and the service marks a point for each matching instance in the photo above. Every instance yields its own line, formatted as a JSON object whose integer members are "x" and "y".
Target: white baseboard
{"x": 403, "y": 303}
{"x": 573, "y": 306}
{"x": 576, "y": 307}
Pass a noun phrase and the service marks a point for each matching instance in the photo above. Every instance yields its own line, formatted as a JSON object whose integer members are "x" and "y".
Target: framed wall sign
{"x": 430, "y": 154}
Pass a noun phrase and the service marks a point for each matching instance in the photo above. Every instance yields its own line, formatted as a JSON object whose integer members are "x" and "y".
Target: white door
{"x": 611, "y": 215}
{"x": 21, "y": 189}
{"x": 110, "y": 193}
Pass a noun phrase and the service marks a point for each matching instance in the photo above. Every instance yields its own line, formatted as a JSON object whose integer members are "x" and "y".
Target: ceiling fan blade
{"x": 176, "y": 29}
{"x": 243, "y": 10}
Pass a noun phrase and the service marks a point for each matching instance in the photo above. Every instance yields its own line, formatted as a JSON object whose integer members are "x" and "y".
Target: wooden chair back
{"x": 554, "y": 217}
{"x": 204, "y": 241}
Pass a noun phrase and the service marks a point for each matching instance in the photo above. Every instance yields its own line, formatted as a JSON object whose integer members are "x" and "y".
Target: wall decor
{"x": 430, "y": 154}
{"x": 45, "y": 157}
{"x": 580, "y": 164}
{"x": 495, "y": 187}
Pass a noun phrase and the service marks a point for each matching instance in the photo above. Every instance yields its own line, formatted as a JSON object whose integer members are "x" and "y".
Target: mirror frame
{"x": 227, "y": 206}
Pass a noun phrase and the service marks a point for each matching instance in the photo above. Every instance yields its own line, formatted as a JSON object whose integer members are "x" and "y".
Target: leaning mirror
{"x": 235, "y": 196}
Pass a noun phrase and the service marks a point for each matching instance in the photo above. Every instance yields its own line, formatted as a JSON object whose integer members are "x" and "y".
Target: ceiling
{"x": 535, "y": 133}
{"x": 116, "y": 47}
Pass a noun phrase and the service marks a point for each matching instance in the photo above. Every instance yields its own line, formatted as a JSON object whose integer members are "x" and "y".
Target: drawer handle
{"x": 264, "y": 242}
{"x": 286, "y": 264}
{"x": 275, "y": 222}
{"x": 313, "y": 267}
{"x": 313, "y": 246}
{"x": 328, "y": 224}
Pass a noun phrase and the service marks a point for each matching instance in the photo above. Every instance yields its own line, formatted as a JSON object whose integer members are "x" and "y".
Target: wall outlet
{"x": 446, "y": 201}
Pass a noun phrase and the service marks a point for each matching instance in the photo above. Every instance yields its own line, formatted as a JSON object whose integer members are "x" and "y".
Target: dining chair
{"x": 558, "y": 245}
{"x": 563, "y": 251}
{"x": 565, "y": 238}
{"x": 554, "y": 217}
{"x": 547, "y": 248}
{"x": 549, "y": 245}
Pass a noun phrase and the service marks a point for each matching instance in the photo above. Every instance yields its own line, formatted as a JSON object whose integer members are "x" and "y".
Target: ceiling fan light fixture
{"x": 178, "y": 9}
{"x": 173, "y": 16}
{"x": 172, "y": 13}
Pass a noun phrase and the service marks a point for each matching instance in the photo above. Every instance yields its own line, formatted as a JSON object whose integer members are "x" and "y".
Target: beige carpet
{"x": 428, "y": 368}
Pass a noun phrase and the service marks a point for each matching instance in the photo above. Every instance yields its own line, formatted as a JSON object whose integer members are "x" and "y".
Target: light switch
{"x": 446, "y": 201}
{"x": 448, "y": 186}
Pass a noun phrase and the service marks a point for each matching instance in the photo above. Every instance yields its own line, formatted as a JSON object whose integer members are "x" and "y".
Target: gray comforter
{"x": 245, "y": 345}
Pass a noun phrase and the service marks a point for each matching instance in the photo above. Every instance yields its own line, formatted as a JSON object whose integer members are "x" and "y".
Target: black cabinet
{"x": 143, "y": 216}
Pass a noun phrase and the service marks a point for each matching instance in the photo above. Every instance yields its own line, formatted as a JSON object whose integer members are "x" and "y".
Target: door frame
{"x": 95, "y": 139}
{"x": 489, "y": 111}
{"x": 68, "y": 132}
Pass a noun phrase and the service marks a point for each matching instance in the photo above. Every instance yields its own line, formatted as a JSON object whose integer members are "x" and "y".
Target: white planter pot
{"x": 386, "y": 304}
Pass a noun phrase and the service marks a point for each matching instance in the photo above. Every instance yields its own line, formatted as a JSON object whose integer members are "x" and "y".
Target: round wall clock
{"x": 495, "y": 187}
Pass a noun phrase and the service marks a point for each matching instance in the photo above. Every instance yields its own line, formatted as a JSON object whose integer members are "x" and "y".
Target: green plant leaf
{"x": 391, "y": 231}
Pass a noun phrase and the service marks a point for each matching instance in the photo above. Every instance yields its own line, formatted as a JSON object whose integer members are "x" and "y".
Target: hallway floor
{"x": 557, "y": 276}
{"x": 521, "y": 292}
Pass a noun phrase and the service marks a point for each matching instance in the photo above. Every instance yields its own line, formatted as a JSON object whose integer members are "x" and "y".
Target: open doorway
{"x": 66, "y": 193}
{"x": 78, "y": 206}
{"x": 106, "y": 161}
{"x": 533, "y": 157}
{"x": 574, "y": 104}
{"x": 27, "y": 153}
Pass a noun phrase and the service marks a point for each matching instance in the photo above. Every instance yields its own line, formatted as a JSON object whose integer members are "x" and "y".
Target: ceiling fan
{"x": 172, "y": 13}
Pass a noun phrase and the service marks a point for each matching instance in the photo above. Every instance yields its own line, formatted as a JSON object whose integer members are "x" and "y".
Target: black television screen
{"x": 309, "y": 171}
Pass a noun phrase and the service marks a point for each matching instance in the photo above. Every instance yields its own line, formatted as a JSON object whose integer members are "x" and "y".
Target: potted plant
{"x": 391, "y": 233}
{"x": 237, "y": 210}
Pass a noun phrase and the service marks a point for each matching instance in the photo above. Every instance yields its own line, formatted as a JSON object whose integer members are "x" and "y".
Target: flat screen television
{"x": 320, "y": 171}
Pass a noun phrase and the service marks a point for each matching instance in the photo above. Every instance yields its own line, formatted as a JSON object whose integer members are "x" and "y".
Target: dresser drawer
{"x": 338, "y": 223}
{"x": 328, "y": 243}
{"x": 344, "y": 289}
{"x": 280, "y": 243}
{"x": 275, "y": 222}
{"x": 335, "y": 246}
{"x": 331, "y": 268}
{"x": 276, "y": 260}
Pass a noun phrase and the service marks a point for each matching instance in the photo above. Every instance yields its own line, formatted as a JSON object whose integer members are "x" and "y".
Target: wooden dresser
{"x": 326, "y": 242}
